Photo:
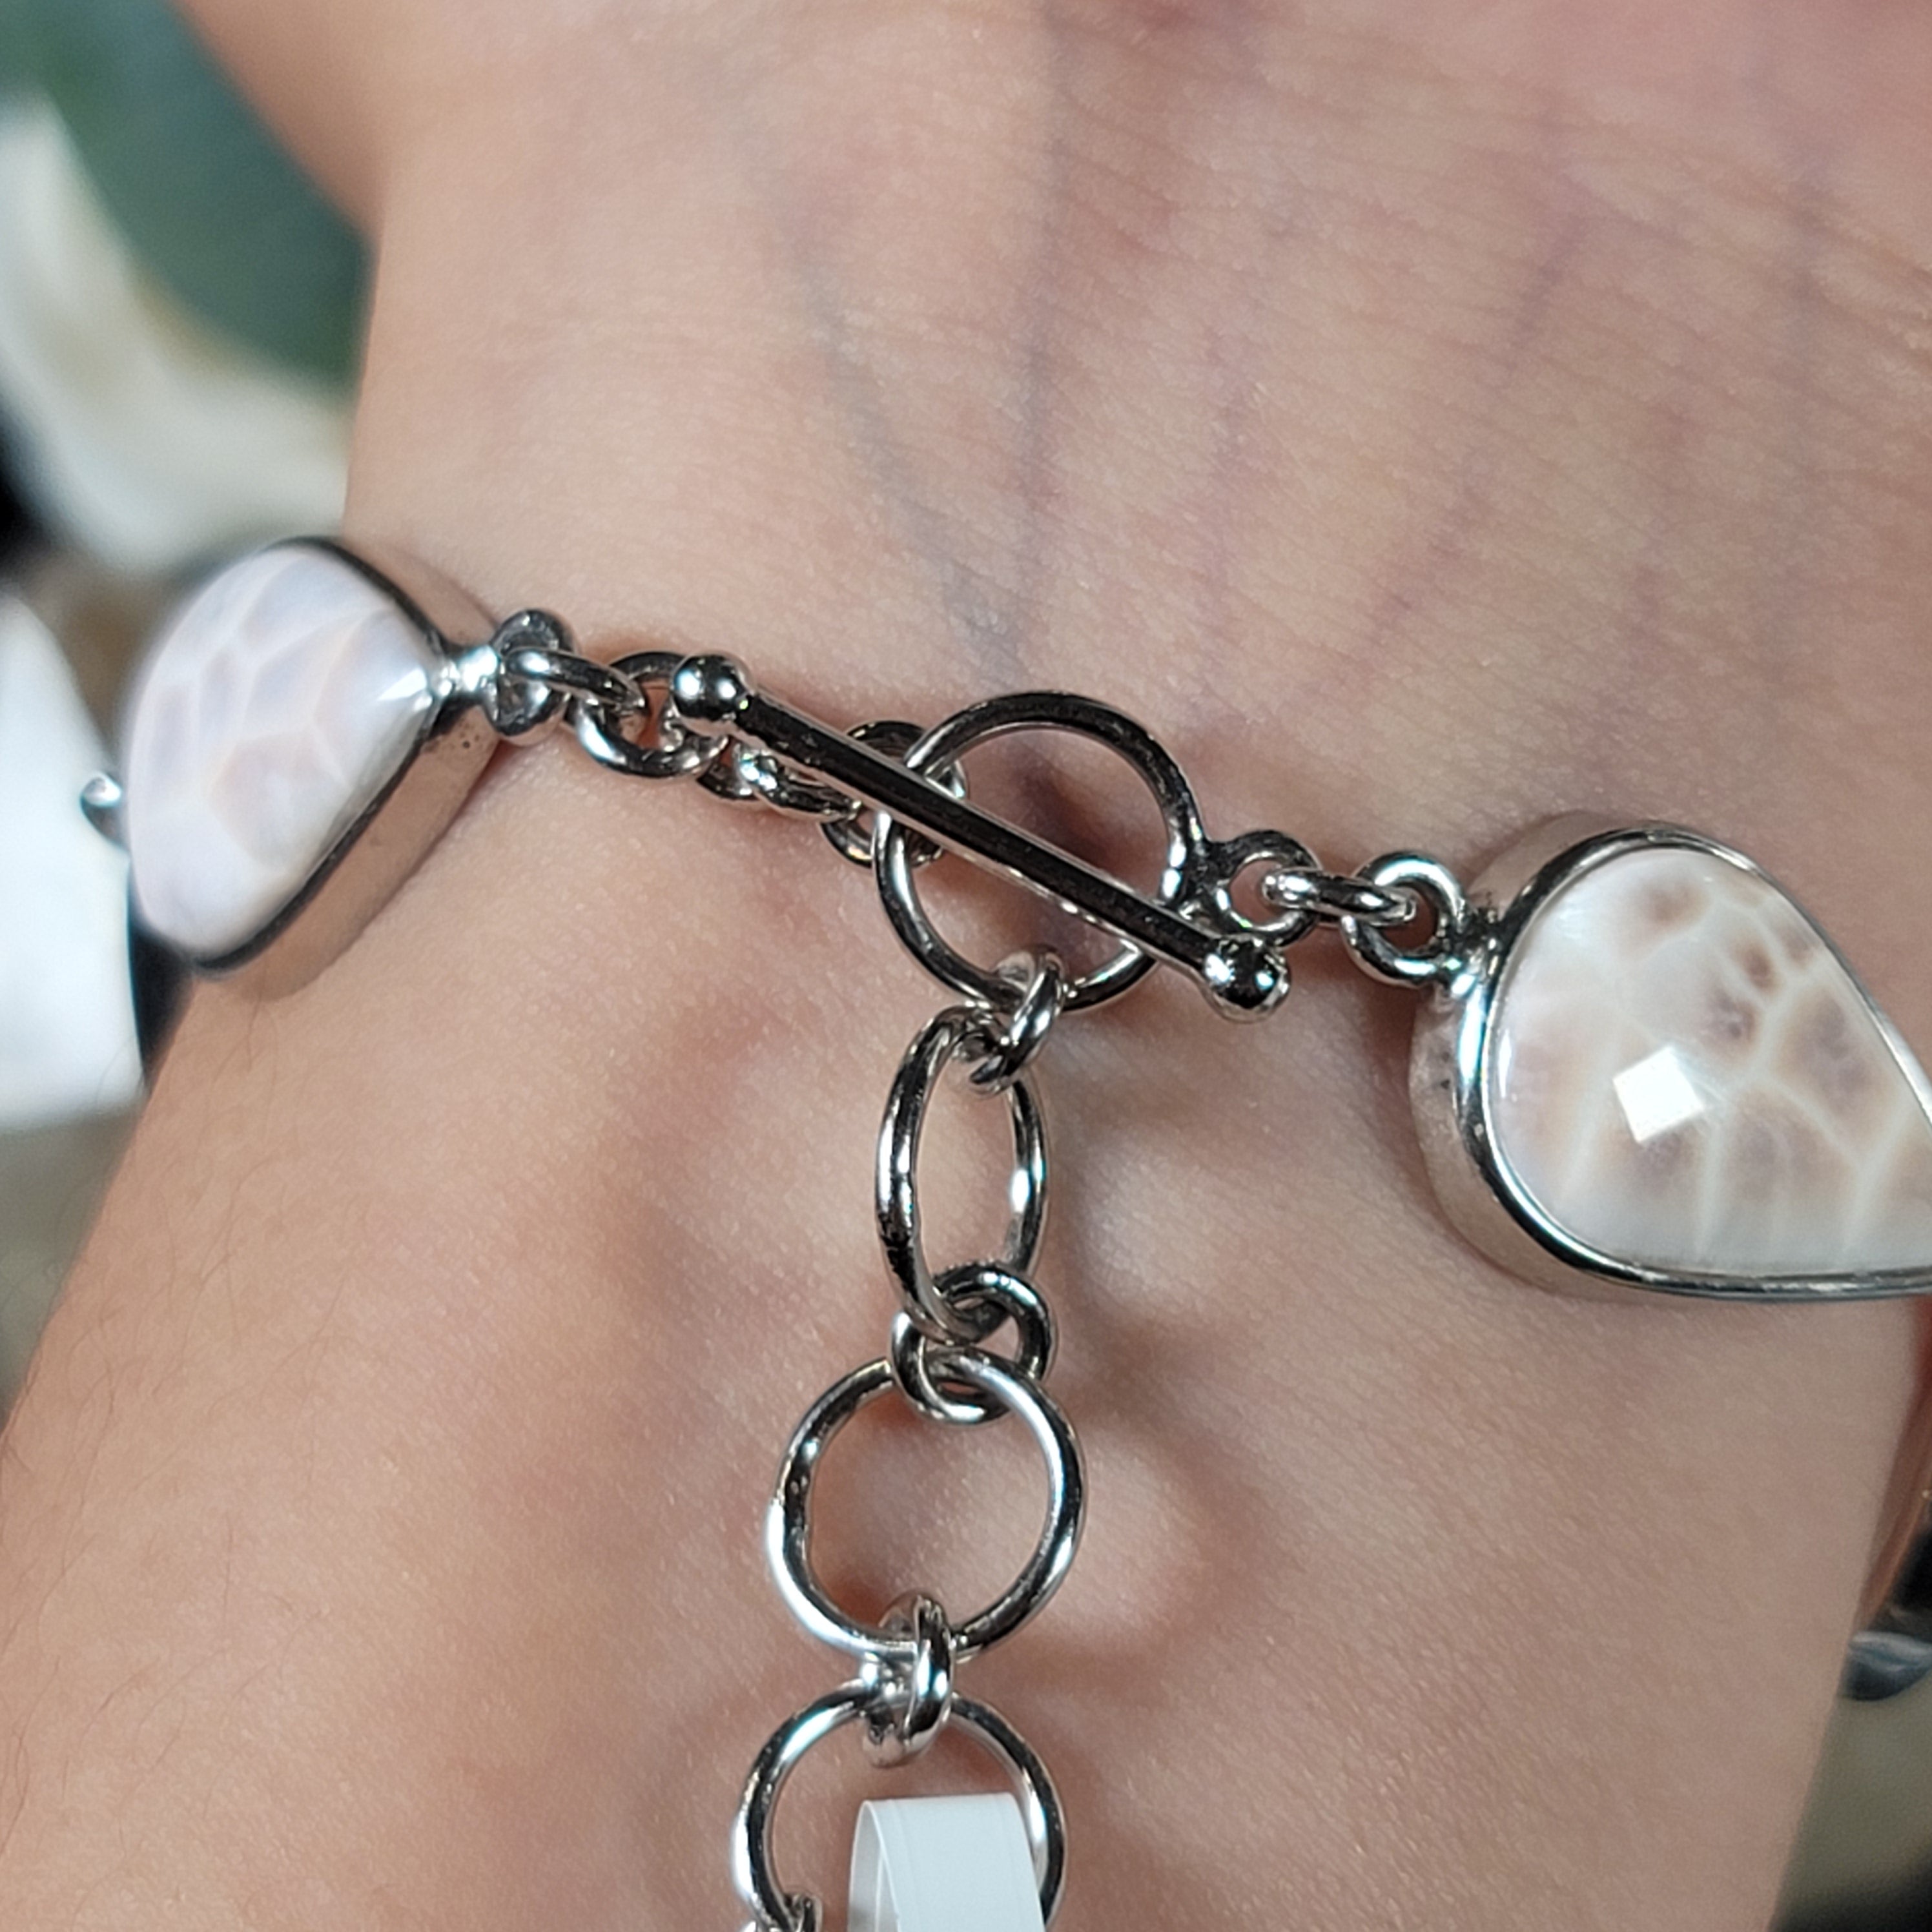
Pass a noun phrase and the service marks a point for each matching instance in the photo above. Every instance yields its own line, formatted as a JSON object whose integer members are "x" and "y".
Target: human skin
{"x": 1426, "y": 420}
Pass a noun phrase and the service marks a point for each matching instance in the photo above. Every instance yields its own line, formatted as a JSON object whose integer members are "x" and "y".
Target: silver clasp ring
{"x": 942, "y": 749}
{"x": 1436, "y": 891}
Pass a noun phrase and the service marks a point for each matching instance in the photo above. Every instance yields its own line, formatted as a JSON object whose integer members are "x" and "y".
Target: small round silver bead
{"x": 1247, "y": 977}
{"x": 710, "y": 690}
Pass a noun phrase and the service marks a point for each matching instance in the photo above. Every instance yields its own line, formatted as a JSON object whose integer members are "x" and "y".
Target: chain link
{"x": 745, "y": 775}
{"x": 920, "y": 1359}
{"x": 1005, "y": 1046}
{"x": 1438, "y": 956}
{"x": 1333, "y": 897}
{"x": 957, "y": 1034}
{"x": 654, "y": 715}
{"x": 611, "y": 721}
{"x": 850, "y": 834}
{"x": 938, "y": 1361}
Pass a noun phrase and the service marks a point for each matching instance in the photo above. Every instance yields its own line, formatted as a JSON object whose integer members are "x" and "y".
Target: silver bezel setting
{"x": 1450, "y": 1085}
{"x": 356, "y": 877}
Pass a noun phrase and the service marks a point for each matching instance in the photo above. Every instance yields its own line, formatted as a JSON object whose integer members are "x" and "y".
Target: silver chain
{"x": 629, "y": 716}
{"x": 940, "y": 1360}
{"x": 620, "y": 715}
{"x": 654, "y": 715}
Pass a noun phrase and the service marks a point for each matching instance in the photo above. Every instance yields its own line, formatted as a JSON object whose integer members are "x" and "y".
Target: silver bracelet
{"x": 1638, "y": 1065}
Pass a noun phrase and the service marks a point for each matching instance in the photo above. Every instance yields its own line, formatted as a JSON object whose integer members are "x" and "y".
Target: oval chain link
{"x": 956, "y": 1034}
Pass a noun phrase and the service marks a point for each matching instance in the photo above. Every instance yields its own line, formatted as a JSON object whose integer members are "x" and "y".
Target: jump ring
{"x": 1440, "y": 957}
{"x": 914, "y": 1704}
{"x": 575, "y": 676}
{"x": 1336, "y": 896}
{"x": 679, "y": 752}
{"x": 1042, "y": 979}
{"x": 921, "y": 1361}
{"x": 1223, "y": 862}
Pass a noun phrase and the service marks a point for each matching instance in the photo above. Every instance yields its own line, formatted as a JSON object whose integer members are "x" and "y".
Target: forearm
{"x": 378, "y": 1535}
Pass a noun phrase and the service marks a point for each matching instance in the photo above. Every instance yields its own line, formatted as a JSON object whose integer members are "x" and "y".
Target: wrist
{"x": 896, "y": 463}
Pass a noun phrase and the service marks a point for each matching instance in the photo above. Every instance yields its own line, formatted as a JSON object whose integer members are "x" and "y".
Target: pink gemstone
{"x": 274, "y": 710}
{"x": 1683, "y": 1076}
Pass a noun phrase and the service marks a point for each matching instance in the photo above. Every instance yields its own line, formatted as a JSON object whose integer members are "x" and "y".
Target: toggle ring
{"x": 894, "y": 845}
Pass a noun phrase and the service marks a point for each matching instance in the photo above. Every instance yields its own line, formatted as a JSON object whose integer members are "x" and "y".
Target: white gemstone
{"x": 943, "y": 1864}
{"x": 272, "y": 712}
{"x": 1681, "y": 1075}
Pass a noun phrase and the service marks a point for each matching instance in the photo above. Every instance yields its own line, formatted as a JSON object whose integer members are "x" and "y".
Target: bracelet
{"x": 1640, "y": 1065}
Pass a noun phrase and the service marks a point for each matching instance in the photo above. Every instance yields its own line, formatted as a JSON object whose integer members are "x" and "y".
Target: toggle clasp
{"x": 1190, "y": 922}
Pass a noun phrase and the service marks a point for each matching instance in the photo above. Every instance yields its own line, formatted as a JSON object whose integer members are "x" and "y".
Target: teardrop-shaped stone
{"x": 271, "y": 712}
{"x": 1681, "y": 1075}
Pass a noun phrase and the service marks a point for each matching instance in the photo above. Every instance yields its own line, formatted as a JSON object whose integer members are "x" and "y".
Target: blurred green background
{"x": 214, "y": 209}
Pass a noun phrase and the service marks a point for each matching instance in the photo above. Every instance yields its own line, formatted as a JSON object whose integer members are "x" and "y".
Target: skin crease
{"x": 1426, "y": 424}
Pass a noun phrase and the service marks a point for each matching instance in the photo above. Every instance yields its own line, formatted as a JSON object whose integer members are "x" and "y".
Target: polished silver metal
{"x": 359, "y": 874}
{"x": 952, "y": 1035}
{"x": 1243, "y": 971}
{"x": 753, "y": 1869}
{"x": 102, "y": 801}
{"x": 562, "y": 676}
{"x": 788, "y": 1520}
{"x": 1449, "y": 1082}
{"x": 850, "y": 834}
{"x": 517, "y": 680}
{"x": 1010, "y": 1042}
{"x": 906, "y": 1691}
{"x": 892, "y": 795}
{"x": 531, "y": 674}
{"x": 984, "y": 1295}
{"x": 912, "y": 1703}
{"x": 608, "y": 727}
{"x": 745, "y": 776}
{"x": 1333, "y": 897}
{"x": 1189, "y": 919}
{"x": 1428, "y": 886}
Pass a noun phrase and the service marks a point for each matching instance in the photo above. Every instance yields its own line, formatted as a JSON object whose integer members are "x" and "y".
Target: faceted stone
{"x": 1682, "y": 1075}
{"x": 270, "y": 715}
